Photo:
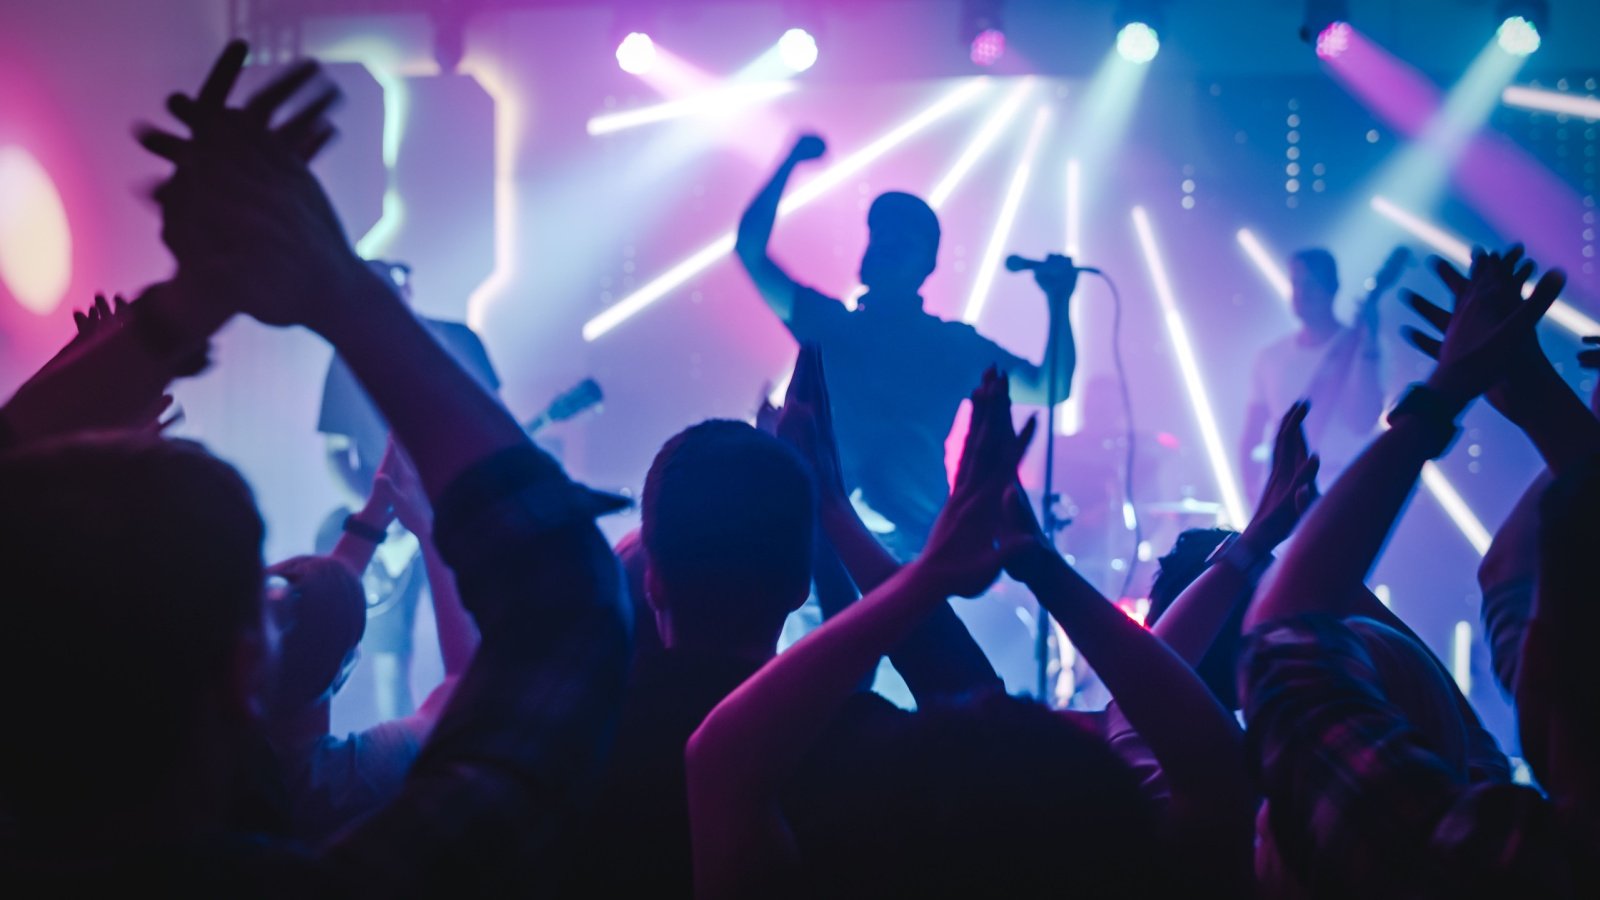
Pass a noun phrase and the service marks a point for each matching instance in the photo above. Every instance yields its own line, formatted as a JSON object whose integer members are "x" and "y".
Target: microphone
{"x": 1015, "y": 263}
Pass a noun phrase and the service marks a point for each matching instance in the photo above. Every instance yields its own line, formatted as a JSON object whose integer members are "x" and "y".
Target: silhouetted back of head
{"x": 728, "y": 517}
{"x": 1177, "y": 571}
{"x": 318, "y": 615}
{"x": 998, "y": 797}
{"x": 1320, "y": 266}
{"x": 902, "y": 244}
{"x": 132, "y": 582}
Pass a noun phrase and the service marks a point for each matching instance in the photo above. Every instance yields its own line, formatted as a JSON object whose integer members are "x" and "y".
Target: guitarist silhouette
{"x": 1339, "y": 368}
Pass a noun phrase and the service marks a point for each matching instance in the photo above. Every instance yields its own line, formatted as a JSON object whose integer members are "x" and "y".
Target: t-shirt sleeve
{"x": 346, "y": 408}
{"x": 816, "y": 316}
{"x": 976, "y": 353}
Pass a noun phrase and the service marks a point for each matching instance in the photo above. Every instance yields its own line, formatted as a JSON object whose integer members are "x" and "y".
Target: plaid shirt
{"x": 1360, "y": 806}
{"x": 514, "y": 755}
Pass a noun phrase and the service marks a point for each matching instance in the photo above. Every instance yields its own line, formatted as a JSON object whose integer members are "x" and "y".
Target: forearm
{"x": 110, "y": 379}
{"x": 1197, "y": 742}
{"x": 354, "y": 551}
{"x": 1343, "y": 534}
{"x": 1506, "y": 580}
{"x": 438, "y": 412}
{"x": 757, "y": 735}
{"x": 1561, "y": 427}
{"x": 458, "y": 636}
{"x": 755, "y": 226}
{"x": 1033, "y": 384}
{"x": 1195, "y": 619}
{"x": 939, "y": 658}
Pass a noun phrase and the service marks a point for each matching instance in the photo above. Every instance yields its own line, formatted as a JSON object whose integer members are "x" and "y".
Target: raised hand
{"x": 399, "y": 483}
{"x": 963, "y": 550}
{"x": 806, "y": 423}
{"x": 1590, "y": 359}
{"x": 808, "y": 147}
{"x": 1291, "y": 483}
{"x": 1058, "y": 277}
{"x": 101, "y": 315}
{"x": 1489, "y": 343}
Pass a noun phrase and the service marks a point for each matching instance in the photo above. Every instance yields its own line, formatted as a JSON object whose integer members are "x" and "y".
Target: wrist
{"x": 349, "y": 303}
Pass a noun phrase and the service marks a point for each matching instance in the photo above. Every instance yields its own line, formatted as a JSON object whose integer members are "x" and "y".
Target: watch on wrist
{"x": 1243, "y": 558}
{"x": 364, "y": 530}
{"x": 1438, "y": 415}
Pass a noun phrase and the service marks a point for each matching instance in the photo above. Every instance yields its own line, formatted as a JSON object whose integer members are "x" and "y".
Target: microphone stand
{"x": 1048, "y": 521}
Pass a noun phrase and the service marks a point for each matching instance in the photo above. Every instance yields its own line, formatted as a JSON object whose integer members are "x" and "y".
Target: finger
{"x": 263, "y": 105}
{"x": 101, "y": 306}
{"x": 163, "y": 144}
{"x": 184, "y": 109}
{"x": 1435, "y": 315}
{"x": 309, "y": 148}
{"x": 1307, "y": 473}
{"x": 1427, "y": 344}
{"x": 1024, "y": 438}
{"x": 80, "y": 321}
{"x": 1592, "y": 339}
{"x": 119, "y": 302}
{"x": 1543, "y": 297}
{"x": 222, "y": 77}
{"x": 1589, "y": 359}
{"x": 1450, "y": 275}
{"x": 309, "y": 119}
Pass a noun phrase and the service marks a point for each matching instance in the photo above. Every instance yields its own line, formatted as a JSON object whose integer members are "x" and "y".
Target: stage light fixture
{"x": 1519, "y": 35}
{"x": 1327, "y": 27}
{"x": 636, "y": 53}
{"x": 1139, "y": 25}
{"x": 983, "y": 31}
{"x": 798, "y": 49}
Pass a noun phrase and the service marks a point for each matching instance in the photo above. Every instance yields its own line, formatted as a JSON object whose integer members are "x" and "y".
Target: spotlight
{"x": 983, "y": 30}
{"x": 988, "y": 47}
{"x": 1138, "y": 42}
{"x": 1521, "y": 23}
{"x": 798, "y": 49}
{"x": 636, "y": 53}
{"x": 1334, "y": 40}
{"x": 1327, "y": 27}
{"x": 1138, "y": 30}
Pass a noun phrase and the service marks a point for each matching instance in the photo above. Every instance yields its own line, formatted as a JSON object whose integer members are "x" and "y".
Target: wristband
{"x": 1438, "y": 415}
{"x": 1241, "y": 557}
{"x": 364, "y": 530}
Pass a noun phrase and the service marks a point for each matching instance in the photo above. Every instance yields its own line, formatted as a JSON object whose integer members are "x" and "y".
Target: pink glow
{"x": 988, "y": 46}
{"x": 1334, "y": 40}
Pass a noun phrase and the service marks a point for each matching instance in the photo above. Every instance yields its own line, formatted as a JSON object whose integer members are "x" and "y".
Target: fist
{"x": 809, "y": 146}
{"x": 1058, "y": 277}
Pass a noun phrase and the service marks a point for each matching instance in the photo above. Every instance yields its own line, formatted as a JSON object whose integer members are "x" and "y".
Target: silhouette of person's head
{"x": 1177, "y": 570}
{"x": 915, "y": 813}
{"x": 317, "y": 615}
{"x": 133, "y": 580}
{"x": 902, "y": 246}
{"x": 1314, "y": 284}
{"x": 727, "y": 525}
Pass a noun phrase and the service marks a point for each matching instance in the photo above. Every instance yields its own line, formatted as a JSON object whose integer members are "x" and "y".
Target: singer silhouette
{"x": 897, "y": 374}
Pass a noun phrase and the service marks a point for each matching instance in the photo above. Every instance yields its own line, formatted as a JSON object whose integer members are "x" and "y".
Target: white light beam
{"x": 1008, "y": 216}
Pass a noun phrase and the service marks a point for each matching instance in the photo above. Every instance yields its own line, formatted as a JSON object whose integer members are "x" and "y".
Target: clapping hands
{"x": 243, "y": 203}
{"x": 806, "y": 423}
{"x": 1488, "y": 343}
{"x": 1291, "y": 484}
{"x": 974, "y": 536}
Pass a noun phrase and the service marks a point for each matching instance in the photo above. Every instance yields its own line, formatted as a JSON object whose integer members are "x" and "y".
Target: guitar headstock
{"x": 1393, "y": 267}
{"x": 582, "y": 396}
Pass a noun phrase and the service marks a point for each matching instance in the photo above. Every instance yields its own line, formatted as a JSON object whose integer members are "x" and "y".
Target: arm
{"x": 1196, "y": 617}
{"x": 1486, "y": 337}
{"x": 755, "y": 231}
{"x": 458, "y": 637}
{"x": 756, "y": 737}
{"x": 355, "y": 551}
{"x": 939, "y": 658}
{"x": 1506, "y": 579}
{"x": 507, "y": 764}
{"x": 1032, "y": 384}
